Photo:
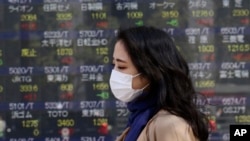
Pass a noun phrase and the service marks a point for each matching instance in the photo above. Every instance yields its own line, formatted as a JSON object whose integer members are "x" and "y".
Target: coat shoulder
{"x": 164, "y": 119}
{"x": 165, "y": 126}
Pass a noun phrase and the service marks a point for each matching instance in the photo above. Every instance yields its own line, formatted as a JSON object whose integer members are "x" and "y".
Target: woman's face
{"x": 123, "y": 63}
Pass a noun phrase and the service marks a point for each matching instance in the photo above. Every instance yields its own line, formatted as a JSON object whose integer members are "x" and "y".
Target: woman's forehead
{"x": 120, "y": 51}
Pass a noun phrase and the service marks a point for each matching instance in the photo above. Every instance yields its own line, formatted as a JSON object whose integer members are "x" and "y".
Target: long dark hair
{"x": 155, "y": 56}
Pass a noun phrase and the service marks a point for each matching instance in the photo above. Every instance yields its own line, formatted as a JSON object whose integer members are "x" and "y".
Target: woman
{"x": 152, "y": 77}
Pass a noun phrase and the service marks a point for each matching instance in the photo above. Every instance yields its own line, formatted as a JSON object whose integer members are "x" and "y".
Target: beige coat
{"x": 164, "y": 126}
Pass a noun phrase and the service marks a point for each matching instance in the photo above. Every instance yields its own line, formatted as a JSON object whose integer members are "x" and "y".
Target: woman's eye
{"x": 121, "y": 67}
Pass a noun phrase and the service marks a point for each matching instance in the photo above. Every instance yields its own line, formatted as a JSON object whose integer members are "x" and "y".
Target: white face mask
{"x": 121, "y": 86}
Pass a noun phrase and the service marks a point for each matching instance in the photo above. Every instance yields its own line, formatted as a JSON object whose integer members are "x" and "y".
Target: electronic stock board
{"x": 55, "y": 60}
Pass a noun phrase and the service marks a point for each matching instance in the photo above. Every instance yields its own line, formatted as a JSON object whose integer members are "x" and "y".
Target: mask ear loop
{"x": 133, "y": 76}
{"x": 145, "y": 85}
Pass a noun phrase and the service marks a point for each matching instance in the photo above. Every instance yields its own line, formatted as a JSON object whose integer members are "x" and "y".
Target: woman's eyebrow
{"x": 120, "y": 60}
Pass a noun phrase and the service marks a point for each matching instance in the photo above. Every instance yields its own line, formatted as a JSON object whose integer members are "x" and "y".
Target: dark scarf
{"x": 141, "y": 112}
